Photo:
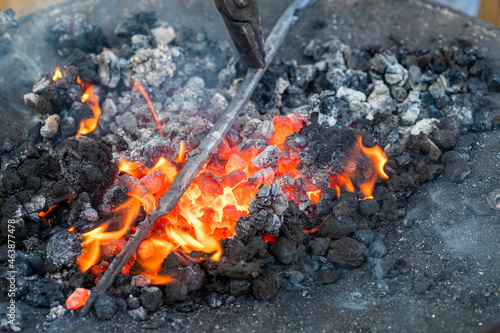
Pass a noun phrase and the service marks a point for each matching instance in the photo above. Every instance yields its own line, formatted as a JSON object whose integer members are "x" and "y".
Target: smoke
{"x": 26, "y": 55}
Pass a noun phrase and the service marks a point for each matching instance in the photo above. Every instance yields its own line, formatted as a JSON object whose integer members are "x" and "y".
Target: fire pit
{"x": 360, "y": 176}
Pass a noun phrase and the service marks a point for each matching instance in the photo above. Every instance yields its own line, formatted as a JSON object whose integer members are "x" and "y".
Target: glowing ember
{"x": 45, "y": 214}
{"x": 211, "y": 206}
{"x": 138, "y": 86}
{"x": 57, "y": 74}
{"x": 269, "y": 238}
{"x": 77, "y": 299}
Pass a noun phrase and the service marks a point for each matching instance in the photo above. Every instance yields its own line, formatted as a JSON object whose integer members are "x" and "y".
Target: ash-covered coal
{"x": 416, "y": 105}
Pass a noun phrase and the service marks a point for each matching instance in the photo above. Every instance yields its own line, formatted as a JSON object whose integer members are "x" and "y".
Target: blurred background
{"x": 487, "y": 10}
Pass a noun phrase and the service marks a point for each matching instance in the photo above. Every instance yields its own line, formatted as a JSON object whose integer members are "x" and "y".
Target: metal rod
{"x": 203, "y": 152}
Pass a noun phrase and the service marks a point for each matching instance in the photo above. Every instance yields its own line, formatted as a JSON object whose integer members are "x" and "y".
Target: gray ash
{"x": 415, "y": 105}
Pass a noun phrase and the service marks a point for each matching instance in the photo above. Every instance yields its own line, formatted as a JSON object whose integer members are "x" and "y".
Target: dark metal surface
{"x": 242, "y": 20}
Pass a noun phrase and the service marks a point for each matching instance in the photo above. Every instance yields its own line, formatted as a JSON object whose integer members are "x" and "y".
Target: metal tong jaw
{"x": 243, "y": 22}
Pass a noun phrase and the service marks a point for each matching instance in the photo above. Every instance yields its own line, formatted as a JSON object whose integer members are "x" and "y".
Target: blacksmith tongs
{"x": 243, "y": 22}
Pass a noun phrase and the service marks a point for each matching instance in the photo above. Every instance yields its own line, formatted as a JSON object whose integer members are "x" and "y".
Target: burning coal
{"x": 210, "y": 208}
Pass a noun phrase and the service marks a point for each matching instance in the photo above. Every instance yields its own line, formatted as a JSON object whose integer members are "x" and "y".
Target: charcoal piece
{"x": 139, "y": 314}
{"x": 294, "y": 222}
{"x": 377, "y": 249}
{"x": 410, "y": 109}
{"x": 44, "y": 293}
{"x": 133, "y": 302}
{"x": 121, "y": 304}
{"x": 399, "y": 93}
{"x": 213, "y": 300}
{"x": 492, "y": 78}
{"x": 326, "y": 153}
{"x": 439, "y": 95}
{"x": 268, "y": 158}
{"x": 51, "y": 127}
{"x": 324, "y": 206}
{"x": 380, "y": 267}
{"x": 193, "y": 276}
{"x": 151, "y": 298}
{"x": 320, "y": 245}
{"x": 11, "y": 182}
{"x": 141, "y": 42}
{"x": 235, "y": 270}
{"x": 105, "y": 308}
{"x": 453, "y": 81}
{"x": 109, "y": 68}
{"x": 347, "y": 252}
{"x": 493, "y": 199}
{"x": 33, "y": 183}
{"x": 294, "y": 97}
{"x": 265, "y": 287}
{"x": 236, "y": 250}
{"x": 138, "y": 24}
{"x": 423, "y": 145}
{"x": 267, "y": 94}
{"x": 89, "y": 214}
{"x": 302, "y": 75}
{"x": 153, "y": 150}
{"x": 70, "y": 32}
{"x": 390, "y": 210}
{"x": 328, "y": 274}
{"x": 164, "y": 33}
{"x": 380, "y": 99}
{"x": 396, "y": 74}
{"x": 368, "y": 207}
{"x": 294, "y": 144}
{"x": 310, "y": 266}
{"x": 398, "y": 183}
{"x": 444, "y": 139}
{"x": 260, "y": 144}
{"x": 365, "y": 236}
{"x": 337, "y": 227}
{"x": 456, "y": 170}
{"x": 87, "y": 166}
{"x": 239, "y": 287}
{"x": 62, "y": 250}
{"x": 175, "y": 291}
{"x": 263, "y": 223}
{"x": 140, "y": 281}
{"x": 476, "y": 87}
{"x": 284, "y": 250}
{"x": 265, "y": 210}
{"x": 126, "y": 121}
{"x": 153, "y": 66}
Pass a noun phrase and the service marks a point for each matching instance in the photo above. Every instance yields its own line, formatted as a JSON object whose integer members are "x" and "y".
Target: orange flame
{"x": 181, "y": 155}
{"x": 210, "y": 207}
{"x": 88, "y": 125}
{"x": 138, "y": 86}
{"x": 94, "y": 239}
{"x": 57, "y": 74}
{"x": 47, "y": 213}
{"x": 377, "y": 155}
